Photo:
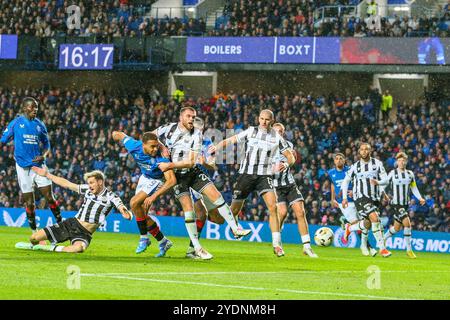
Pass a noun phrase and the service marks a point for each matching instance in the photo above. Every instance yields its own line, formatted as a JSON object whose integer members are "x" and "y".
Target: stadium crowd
{"x": 117, "y": 18}
{"x": 80, "y": 126}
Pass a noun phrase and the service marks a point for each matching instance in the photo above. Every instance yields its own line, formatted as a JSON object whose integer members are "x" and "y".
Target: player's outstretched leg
{"x": 378, "y": 234}
{"x": 299, "y": 211}
{"x": 224, "y": 210}
{"x": 141, "y": 220}
{"x": 201, "y": 212}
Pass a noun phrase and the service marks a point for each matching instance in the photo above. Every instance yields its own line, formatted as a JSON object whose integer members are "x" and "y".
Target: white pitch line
{"x": 253, "y": 272}
{"x": 246, "y": 287}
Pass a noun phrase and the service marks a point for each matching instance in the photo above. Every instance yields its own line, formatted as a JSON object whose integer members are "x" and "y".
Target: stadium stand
{"x": 81, "y": 141}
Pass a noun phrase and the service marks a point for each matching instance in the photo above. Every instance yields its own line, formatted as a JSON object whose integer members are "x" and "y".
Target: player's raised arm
{"x": 383, "y": 182}
{"x": 58, "y": 180}
{"x": 118, "y": 136}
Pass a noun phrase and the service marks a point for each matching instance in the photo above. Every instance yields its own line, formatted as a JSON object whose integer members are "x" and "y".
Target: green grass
{"x": 239, "y": 270}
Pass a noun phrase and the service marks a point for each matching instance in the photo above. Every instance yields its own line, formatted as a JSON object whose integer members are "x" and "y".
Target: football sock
{"x": 391, "y": 231}
{"x": 31, "y": 216}
{"x": 364, "y": 238}
{"x": 306, "y": 240}
{"x": 407, "y": 236}
{"x": 200, "y": 224}
{"x": 355, "y": 227}
{"x": 56, "y": 211}
{"x": 156, "y": 232}
{"x": 142, "y": 225}
{"x": 378, "y": 234}
{"x": 276, "y": 239}
{"x": 225, "y": 212}
{"x": 191, "y": 227}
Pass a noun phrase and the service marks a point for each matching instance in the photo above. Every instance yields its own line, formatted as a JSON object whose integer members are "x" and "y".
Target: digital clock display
{"x": 86, "y": 56}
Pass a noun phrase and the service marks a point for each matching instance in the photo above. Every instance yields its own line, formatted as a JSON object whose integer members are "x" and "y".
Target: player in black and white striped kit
{"x": 256, "y": 172}
{"x": 184, "y": 143}
{"x": 98, "y": 203}
{"x": 401, "y": 181}
{"x": 367, "y": 196}
{"x": 288, "y": 194}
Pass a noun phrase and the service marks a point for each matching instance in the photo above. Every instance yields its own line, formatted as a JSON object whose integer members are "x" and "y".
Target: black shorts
{"x": 247, "y": 183}
{"x": 400, "y": 213}
{"x": 195, "y": 178}
{"x": 289, "y": 194}
{"x": 366, "y": 206}
{"x": 69, "y": 229}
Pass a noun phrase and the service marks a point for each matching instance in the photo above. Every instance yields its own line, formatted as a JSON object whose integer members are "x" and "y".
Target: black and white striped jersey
{"x": 260, "y": 147}
{"x": 360, "y": 174}
{"x": 95, "y": 208}
{"x": 180, "y": 142}
{"x": 401, "y": 183}
{"x": 285, "y": 178}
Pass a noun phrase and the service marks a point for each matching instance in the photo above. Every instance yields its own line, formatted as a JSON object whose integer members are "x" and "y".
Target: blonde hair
{"x": 97, "y": 174}
{"x": 278, "y": 124}
{"x": 401, "y": 155}
{"x": 269, "y": 112}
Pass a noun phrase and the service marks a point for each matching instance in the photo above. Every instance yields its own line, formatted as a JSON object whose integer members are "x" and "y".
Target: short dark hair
{"x": 187, "y": 108}
{"x": 29, "y": 100}
{"x": 149, "y": 136}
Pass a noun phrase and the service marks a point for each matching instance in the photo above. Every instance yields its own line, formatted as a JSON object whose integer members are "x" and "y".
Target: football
{"x": 323, "y": 237}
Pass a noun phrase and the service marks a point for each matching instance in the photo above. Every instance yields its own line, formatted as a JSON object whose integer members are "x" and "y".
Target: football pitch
{"x": 110, "y": 269}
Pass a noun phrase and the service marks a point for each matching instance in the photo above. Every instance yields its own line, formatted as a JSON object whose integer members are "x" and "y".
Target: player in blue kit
{"x": 350, "y": 213}
{"x": 31, "y": 147}
{"x": 150, "y": 186}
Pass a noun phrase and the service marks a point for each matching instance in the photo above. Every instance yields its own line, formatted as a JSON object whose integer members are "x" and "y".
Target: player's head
{"x": 339, "y": 160}
{"x": 150, "y": 143}
{"x": 266, "y": 119}
{"x": 402, "y": 160}
{"x": 279, "y": 127}
{"x": 30, "y": 107}
{"x": 96, "y": 181}
{"x": 199, "y": 123}
{"x": 364, "y": 151}
{"x": 187, "y": 116}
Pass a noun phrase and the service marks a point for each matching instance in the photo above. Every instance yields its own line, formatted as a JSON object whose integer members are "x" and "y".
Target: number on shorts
{"x": 269, "y": 181}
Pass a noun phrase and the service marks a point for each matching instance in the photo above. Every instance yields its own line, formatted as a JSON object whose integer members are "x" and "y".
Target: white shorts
{"x": 28, "y": 178}
{"x": 148, "y": 185}
{"x": 198, "y": 196}
{"x": 350, "y": 213}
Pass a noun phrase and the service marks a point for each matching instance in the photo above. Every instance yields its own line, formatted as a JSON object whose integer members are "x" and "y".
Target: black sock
{"x": 142, "y": 225}
{"x": 155, "y": 232}
{"x": 56, "y": 212}
{"x": 31, "y": 216}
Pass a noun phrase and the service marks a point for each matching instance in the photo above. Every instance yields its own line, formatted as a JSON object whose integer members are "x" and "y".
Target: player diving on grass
{"x": 150, "y": 186}
{"x": 31, "y": 147}
{"x": 288, "y": 194}
{"x": 184, "y": 143}
{"x": 262, "y": 144}
{"x": 98, "y": 203}
{"x": 356, "y": 223}
{"x": 401, "y": 182}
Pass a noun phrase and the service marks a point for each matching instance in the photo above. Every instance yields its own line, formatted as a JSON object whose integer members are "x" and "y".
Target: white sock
{"x": 378, "y": 234}
{"x": 191, "y": 227}
{"x": 163, "y": 239}
{"x": 144, "y": 236}
{"x": 364, "y": 237}
{"x": 59, "y": 249}
{"x": 391, "y": 231}
{"x": 226, "y": 213}
{"x": 276, "y": 239}
{"x": 407, "y": 236}
{"x": 306, "y": 240}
